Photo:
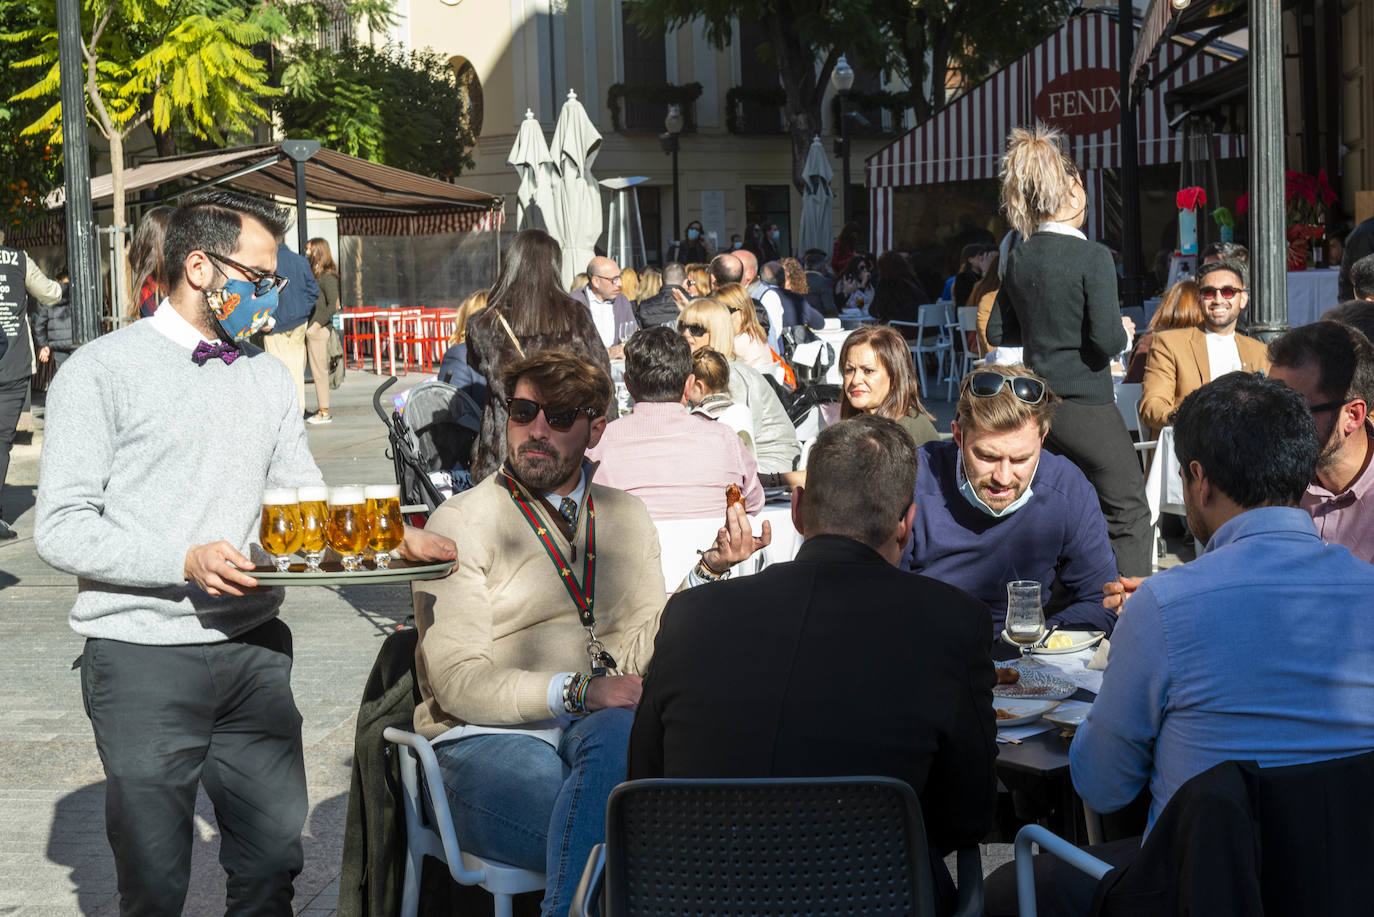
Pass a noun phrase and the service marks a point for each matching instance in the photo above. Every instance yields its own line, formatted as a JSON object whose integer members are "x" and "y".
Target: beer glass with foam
{"x": 347, "y": 527}
{"x": 280, "y": 531}
{"x": 314, "y": 522}
{"x": 385, "y": 527}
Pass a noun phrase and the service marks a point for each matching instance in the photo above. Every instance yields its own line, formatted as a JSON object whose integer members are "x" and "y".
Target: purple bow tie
{"x": 226, "y": 352}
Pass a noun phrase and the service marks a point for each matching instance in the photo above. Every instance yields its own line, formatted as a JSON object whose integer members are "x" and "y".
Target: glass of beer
{"x": 347, "y": 527}
{"x": 1025, "y": 614}
{"x": 385, "y": 528}
{"x": 280, "y": 531}
{"x": 314, "y": 521}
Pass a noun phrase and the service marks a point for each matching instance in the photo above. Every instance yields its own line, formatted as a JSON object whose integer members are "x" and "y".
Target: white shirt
{"x": 1222, "y": 355}
{"x": 603, "y": 314}
{"x": 772, "y": 305}
{"x": 168, "y": 322}
{"x": 1063, "y": 229}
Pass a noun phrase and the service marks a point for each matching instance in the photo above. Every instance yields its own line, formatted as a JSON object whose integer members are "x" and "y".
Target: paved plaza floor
{"x": 54, "y": 858}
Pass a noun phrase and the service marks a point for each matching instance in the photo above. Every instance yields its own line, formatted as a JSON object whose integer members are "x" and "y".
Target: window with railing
{"x": 645, "y": 65}
{"x": 756, "y": 104}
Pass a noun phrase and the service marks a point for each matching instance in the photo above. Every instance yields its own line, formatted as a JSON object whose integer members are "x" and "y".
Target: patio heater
{"x": 842, "y": 78}
{"x": 624, "y": 232}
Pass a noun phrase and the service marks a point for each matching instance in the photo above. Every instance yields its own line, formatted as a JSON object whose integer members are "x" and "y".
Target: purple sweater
{"x": 1059, "y": 538}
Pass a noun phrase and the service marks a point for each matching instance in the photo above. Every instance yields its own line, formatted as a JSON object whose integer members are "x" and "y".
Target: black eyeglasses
{"x": 1227, "y": 293}
{"x": 263, "y": 282}
{"x": 523, "y": 411}
{"x": 1329, "y": 406}
{"x": 732, "y": 309}
{"x": 695, "y": 330}
{"x": 986, "y": 384}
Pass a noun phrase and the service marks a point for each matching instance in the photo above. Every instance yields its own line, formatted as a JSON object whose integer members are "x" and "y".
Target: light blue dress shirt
{"x": 1261, "y": 649}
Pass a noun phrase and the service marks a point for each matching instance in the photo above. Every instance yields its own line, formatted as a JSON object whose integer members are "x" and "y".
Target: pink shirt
{"x": 1345, "y": 518}
{"x": 677, "y": 463}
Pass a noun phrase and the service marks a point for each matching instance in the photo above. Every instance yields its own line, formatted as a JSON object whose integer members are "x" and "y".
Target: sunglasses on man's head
{"x": 986, "y": 384}
{"x": 523, "y": 411}
{"x": 695, "y": 330}
{"x": 1227, "y": 293}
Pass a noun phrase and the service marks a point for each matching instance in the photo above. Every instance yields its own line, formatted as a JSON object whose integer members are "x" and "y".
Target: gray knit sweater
{"x": 146, "y": 454}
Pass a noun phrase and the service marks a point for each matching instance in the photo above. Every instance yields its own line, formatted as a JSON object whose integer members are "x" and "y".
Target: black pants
{"x": 221, "y": 714}
{"x": 12, "y": 395}
{"x": 1094, "y": 437}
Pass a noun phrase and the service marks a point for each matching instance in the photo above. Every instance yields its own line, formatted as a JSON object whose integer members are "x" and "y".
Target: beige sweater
{"x": 496, "y": 630}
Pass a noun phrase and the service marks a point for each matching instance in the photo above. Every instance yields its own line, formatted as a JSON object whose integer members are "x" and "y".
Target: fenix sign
{"x": 1086, "y": 101}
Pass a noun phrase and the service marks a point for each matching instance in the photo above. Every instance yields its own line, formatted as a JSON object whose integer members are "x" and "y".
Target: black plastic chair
{"x": 815, "y": 846}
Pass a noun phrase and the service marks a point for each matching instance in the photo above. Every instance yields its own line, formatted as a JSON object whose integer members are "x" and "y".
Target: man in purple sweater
{"x": 992, "y": 506}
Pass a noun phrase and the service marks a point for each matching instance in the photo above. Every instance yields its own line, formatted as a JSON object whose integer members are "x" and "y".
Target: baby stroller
{"x": 431, "y": 441}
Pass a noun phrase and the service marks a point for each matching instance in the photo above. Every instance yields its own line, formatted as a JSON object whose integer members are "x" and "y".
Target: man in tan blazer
{"x": 1185, "y": 359}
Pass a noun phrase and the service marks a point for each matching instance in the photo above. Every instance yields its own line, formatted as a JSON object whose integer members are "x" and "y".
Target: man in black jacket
{"x": 836, "y": 663}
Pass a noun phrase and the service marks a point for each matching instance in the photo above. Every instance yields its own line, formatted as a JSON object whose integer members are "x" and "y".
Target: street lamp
{"x": 670, "y": 145}
{"x": 842, "y": 78}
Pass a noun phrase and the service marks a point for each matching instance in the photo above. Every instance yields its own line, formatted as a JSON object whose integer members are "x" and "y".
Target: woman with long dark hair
{"x": 899, "y": 295}
{"x": 527, "y": 311}
{"x": 145, "y": 259}
{"x": 1058, "y": 301}
{"x": 320, "y": 326}
{"x": 875, "y": 364}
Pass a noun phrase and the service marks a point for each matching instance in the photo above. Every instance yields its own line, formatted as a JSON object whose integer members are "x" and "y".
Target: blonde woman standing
{"x": 1058, "y": 301}
{"x": 321, "y": 323}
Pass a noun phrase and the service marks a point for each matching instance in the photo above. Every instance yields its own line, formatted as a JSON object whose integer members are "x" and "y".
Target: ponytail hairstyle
{"x": 1038, "y": 179}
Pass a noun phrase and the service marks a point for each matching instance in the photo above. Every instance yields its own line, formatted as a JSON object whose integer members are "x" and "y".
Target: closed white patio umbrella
{"x": 817, "y": 227}
{"x": 534, "y": 200}
{"x": 577, "y": 195}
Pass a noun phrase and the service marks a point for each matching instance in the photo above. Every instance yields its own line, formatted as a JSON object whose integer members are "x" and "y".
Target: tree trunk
{"x": 121, "y": 293}
{"x": 804, "y": 88}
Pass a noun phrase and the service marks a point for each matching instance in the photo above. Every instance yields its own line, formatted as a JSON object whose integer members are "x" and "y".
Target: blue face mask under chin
{"x": 968, "y": 493}
{"x": 239, "y": 310}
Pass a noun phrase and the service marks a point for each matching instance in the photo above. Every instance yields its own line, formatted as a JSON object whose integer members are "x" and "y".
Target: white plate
{"x": 1082, "y": 639}
{"x": 1070, "y": 713}
{"x": 1036, "y": 683}
{"x": 1024, "y": 711}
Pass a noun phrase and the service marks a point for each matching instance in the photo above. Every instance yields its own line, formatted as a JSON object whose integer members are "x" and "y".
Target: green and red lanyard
{"x": 598, "y": 660}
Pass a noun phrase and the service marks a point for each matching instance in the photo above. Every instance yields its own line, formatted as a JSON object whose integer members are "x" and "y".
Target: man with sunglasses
{"x": 1332, "y": 366}
{"x": 160, "y": 439}
{"x": 558, "y": 588}
{"x": 1184, "y": 359}
{"x": 993, "y": 506}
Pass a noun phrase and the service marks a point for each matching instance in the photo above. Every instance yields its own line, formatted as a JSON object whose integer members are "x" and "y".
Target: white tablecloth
{"x": 1163, "y": 486}
{"x": 1311, "y": 293}
{"x": 680, "y": 539}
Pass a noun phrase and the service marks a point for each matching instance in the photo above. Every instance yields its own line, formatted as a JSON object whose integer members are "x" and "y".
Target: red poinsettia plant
{"x": 1306, "y": 197}
{"x": 1191, "y": 198}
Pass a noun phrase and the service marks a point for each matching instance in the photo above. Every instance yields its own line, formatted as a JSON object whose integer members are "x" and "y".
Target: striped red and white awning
{"x": 1152, "y": 30}
{"x": 964, "y": 141}
{"x": 371, "y": 223}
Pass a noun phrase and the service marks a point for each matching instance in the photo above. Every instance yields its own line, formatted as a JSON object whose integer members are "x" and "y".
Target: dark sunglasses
{"x": 1329, "y": 406}
{"x": 695, "y": 330}
{"x": 523, "y": 411}
{"x": 1226, "y": 293}
{"x": 263, "y": 282}
{"x": 986, "y": 384}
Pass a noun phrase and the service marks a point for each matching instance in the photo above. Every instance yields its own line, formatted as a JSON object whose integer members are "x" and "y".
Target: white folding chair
{"x": 437, "y": 838}
{"x": 969, "y": 359}
{"x": 931, "y": 317}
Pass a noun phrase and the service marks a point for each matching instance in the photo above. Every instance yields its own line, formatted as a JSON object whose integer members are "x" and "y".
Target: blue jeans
{"x": 517, "y": 800}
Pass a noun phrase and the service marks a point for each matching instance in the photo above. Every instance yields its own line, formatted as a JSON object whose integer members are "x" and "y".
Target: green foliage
{"x": 29, "y": 168}
{"x": 178, "y": 63}
{"x": 402, "y": 109}
{"x": 664, "y": 94}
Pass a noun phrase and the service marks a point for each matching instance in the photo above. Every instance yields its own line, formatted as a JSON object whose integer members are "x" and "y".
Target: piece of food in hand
{"x": 1008, "y": 676}
{"x": 732, "y": 496}
{"x": 1004, "y": 714}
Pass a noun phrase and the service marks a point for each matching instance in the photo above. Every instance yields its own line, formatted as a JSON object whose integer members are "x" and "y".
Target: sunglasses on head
{"x": 986, "y": 384}
{"x": 523, "y": 411}
{"x": 1227, "y": 293}
{"x": 695, "y": 330}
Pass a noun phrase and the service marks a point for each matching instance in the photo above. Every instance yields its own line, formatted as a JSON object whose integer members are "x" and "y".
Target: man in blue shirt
{"x": 286, "y": 340}
{"x": 992, "y": 506}
{"x": 1257, "y": 650}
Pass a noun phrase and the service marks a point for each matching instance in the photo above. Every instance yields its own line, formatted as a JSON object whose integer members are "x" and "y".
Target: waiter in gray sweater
{"x": 159, "y": 441}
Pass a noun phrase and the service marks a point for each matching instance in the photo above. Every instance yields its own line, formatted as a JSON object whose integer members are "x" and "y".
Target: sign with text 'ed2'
{"x": 1086, "y": 101}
